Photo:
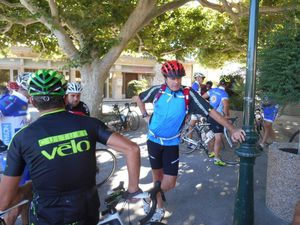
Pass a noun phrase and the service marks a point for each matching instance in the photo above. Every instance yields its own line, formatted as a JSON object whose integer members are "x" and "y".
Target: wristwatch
{"x": 145, "y": 114}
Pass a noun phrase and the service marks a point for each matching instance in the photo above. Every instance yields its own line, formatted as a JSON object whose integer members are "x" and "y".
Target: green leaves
{"x": 279, "y": 65}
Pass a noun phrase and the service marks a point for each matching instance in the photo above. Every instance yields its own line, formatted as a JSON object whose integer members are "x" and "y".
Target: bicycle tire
{"x": 133, "y": 120}
{"x": 296, "y": 134}
{"x": 106, "y": 163}
{"x": 228, "y": 154}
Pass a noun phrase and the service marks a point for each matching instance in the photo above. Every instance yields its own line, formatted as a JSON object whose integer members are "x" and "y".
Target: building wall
{"x": 25, "y": 61}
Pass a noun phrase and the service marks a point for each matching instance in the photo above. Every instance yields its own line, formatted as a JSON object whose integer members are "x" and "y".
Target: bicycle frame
{"x": 199, "y": 128}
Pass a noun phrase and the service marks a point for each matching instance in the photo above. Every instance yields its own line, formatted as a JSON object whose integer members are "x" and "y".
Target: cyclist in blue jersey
{"x": 59, "y": 150}
{"x": 219, "y": 101}
{"x": 270, "y": 111}
{"x": 13, "y": 108}
{"x": 72, "y": 100}
{"x": 165, "y": 124}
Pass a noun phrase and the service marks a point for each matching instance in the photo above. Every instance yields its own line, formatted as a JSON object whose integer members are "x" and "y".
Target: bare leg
{"x": 218, "y": 144}
{"x": 269, "y": 132}
{"x": 192, "y": 124}
{"x": 167, "y": 183}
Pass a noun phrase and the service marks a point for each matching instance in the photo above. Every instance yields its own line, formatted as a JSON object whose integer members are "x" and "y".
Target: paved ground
{"x": 205, "y": 193}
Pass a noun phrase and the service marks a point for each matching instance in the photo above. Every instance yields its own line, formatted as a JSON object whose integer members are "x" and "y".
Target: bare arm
{"x": 226, "y": 108}
{"x": 9, "y": 191}
{"x": 132, "y": 153}
{"x": 141, "y": 105}
{"x": 296, "y": 220}
{"x": 236, "y": 134}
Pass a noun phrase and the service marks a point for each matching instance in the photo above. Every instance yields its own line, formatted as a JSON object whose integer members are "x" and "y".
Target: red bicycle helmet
{"x": 12, "y": 85}
{"x": 173, "y": 69}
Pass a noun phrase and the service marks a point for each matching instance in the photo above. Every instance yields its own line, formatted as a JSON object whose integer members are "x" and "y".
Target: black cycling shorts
{"x": 164, "y": 157}
{"x": 77, "y": 208}
{"x": 215, "y": 126}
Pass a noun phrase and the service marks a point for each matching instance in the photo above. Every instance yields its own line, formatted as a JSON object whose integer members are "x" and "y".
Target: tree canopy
{"x": 212, "y": 32}
{"x": 93, "y": 34}
{"x": 279, "y": 65}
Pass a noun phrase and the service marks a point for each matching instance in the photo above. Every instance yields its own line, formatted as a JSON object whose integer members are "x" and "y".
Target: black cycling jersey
{"x": 59, "y": 150}
{"x": 80, "y": 109}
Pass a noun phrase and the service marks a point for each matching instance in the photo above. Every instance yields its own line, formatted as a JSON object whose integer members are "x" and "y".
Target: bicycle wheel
{"x": 133, "y": 120}
{"x": 295, "y": 137}
{"x": 228, "y": 154}
{"x": 106, "y": 166}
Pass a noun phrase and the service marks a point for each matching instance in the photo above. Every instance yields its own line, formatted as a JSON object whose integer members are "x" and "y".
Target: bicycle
{"x": 111, "y": 216}
{"x": 202, "y": 135}
{"x": 228, "y": 154}
{"x": 125, "y": 118}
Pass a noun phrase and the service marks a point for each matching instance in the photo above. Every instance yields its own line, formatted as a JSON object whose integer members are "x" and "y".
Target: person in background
{"x": 72, "y": 100}
{"x": 219, "y": 101}
{"x": 198, "y": 85}
{"x": 270, "y": 112}
{"x": 200, "y": 88}
{"x": 12, "y": 86}
{"x": 209, "y": 85}
{"x": 59, "y": 149}
{"x": 14, "y": 116}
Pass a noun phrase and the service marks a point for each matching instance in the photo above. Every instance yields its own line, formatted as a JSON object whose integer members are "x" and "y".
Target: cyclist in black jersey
{"x": 72, "y": 100}
{"x": 59, "y": 150}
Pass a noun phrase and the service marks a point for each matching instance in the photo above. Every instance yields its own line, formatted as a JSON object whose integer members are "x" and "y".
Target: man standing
{"x": 219, "y": 101}
{"x": 59, "y": 150}
{"x": 170, "y": 108}
{"x": 72, "y": 100}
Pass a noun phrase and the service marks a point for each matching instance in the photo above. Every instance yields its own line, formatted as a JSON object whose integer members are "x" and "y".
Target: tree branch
{"x": 141, "y": 44}
{"x": 53, "y": 8}
{"x": 164, "y": 8}
{"x": 53, "y": 25}
{"x": 11, "y": 5}
{"x": 6, "y": 28}
{"x": 11, "y": 21}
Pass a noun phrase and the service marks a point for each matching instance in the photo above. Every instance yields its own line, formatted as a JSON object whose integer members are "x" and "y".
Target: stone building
{"x": 125, "y": 69}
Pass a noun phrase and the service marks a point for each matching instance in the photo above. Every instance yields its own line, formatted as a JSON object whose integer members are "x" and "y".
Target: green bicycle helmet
{"x": 46, "y": 82}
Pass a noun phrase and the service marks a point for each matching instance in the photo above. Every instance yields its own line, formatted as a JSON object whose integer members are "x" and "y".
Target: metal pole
{"x": 244, "y": 207}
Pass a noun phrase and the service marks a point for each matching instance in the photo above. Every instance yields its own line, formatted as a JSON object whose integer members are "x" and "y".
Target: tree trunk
{"x": 92, "y": 80}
